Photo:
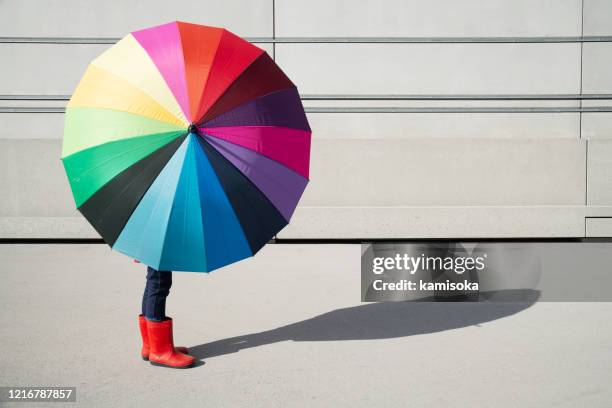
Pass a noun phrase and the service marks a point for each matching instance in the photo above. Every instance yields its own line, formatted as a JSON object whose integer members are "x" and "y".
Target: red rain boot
{"x": 161, "y": 346}
{"x": 144, "y": 352}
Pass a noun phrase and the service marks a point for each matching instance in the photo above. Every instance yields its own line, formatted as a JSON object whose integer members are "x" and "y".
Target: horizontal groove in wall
{"x": 499, "y": 97}
{"x": 314, "y": 241}
{"x": 559, "y": 109}
{"x": 333, "y": 40}
{"x": 8, "y": 241}
{"x": 365, "y": 97}
{"x": 430, "y": 240}
{"x": 90, "y": 40}
{"x": 384, "y": 110}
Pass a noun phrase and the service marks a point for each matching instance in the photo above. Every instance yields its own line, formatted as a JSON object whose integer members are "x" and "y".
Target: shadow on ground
{"x": 381, "y": 321}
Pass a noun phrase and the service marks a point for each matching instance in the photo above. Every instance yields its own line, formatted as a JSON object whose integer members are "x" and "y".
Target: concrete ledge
{"x": 377, "y": 222}
{"x": 46, "y": 227}
{"x": 599, "y": 227}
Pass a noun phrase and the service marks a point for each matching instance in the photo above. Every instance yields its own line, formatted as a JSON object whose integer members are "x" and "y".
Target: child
{"x": 156, "y": 328}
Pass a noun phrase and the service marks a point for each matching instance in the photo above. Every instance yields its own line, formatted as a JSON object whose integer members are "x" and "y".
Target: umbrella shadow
{"x": 380, "y": 321}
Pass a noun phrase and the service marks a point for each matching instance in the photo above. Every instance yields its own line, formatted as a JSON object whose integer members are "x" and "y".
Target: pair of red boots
{"x": 158, "y": 345}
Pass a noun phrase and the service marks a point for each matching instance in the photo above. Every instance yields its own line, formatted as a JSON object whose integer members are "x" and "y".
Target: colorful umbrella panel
{"x": 186, "y": 147}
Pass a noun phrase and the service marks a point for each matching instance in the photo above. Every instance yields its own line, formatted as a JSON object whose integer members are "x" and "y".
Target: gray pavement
{"x": 284, "y": 329}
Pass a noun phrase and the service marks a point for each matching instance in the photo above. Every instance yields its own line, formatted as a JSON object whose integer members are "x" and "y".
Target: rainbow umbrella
{"x": 186, "y": 147}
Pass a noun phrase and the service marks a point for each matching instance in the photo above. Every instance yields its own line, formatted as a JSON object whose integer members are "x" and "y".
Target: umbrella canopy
{"x": 186, "y": 147}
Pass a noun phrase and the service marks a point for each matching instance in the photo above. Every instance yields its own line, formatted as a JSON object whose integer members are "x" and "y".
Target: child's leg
{"x": 154, "y": 297}
{"x": 161, "y": 350}
{"x": 154, "y": 308}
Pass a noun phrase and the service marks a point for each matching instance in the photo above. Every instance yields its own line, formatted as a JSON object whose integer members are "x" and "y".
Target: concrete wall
{"x": 490, "y": 118}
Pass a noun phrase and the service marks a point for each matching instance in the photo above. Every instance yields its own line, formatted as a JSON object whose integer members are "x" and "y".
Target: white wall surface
{"x": 49, "y": 69}
{"x": 432, "y": 68}
{"x": 116, "y": 18}
{"x": 431, "y": 18}
{"x": 512, "y": 160}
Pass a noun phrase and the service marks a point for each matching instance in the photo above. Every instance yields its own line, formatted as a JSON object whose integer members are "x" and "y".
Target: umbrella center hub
{"x": 192, "y": 129}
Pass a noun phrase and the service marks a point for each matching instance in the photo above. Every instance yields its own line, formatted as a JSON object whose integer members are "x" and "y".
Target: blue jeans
{"x": 155, "y": 293}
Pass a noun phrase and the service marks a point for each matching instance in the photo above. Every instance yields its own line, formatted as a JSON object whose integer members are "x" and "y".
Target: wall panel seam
{"x": 332, "y": 40}
{"x": 326, "y": 109}
{"x": 378, "y": 97}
